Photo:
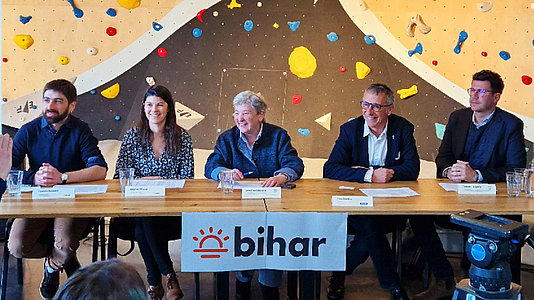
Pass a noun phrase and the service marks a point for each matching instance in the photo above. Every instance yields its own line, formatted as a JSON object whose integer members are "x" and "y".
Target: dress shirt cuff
{"x": 369, "y": 175}
{"x": 479, "y": 176}
{"x": 216, "y": 171}
{"x": 444, "y": 173}
{"x": 290, "y": 172}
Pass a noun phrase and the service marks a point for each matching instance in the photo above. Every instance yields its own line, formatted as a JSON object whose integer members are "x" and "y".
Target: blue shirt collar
{"x": 367, "y": 130}
{"x": 486, "y": 120}
{"x": 45, "y": 124}
{"x": 244, "y": 138}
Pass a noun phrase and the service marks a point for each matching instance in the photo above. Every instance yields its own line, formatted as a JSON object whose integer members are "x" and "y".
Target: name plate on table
{"x": 261, "y": 192}
{"x": 362, "y": 201}
{"x": 477, "y": 189}
{"x": 62, "y": 193}
{"x": 144, "y": 191}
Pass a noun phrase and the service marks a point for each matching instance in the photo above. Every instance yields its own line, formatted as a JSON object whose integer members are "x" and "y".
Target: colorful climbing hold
{"x": 111, "y": 92}
{"x": 362, "y": 70}
{"x": 156, "y": 26}
{"x": 293, "y": 25}
{"x": 332, "y": 36}
{"x": 92, "y": 92}
{"x": 248, "y": 25}
{"x": 215, "y": 13}
{"x": 78, "y": 13}
{"x": 199, "y": 15}
{"x": 111, "y": 12}
{"x": 4, "y": 59}
{"x": 296, "y": 99}
{"x": 25, "y": 20}
{"x": 504, "y": 55}
{"x": 162, "y": 52}
{"x": 304, "y": 131}
{"x": 150, "y": 80}
{"x": 197, "y": 32}
{"x": 527, "y": 80}
{"x": 440, "y": 130}
{"x": 259, "y": 4}
{"x": 129, "y": 4}
{"x": 233, "y": 4}
{"x": 275, "y": 25}
{"x": 4, "y": 99}
{"x": 484, "y": 6}
{"x": 34, "y": 107}
{"x": 405, "y": 93}
{"x": 484, "y": 53}
{"x": 92, "y": 51}
{"x": 342, "y": 69}
{"x": 117, "y": 118}
{"x": 24, "y": 41}
{"x": 63, "y": 60}
{"x": 302, "y": 63}
{"x": 461, "y": 39}
{"x": 418, "y": 49}
{"x": 111, "y": 31}
{"x": 369, "y": 39}
{"x": 435, "y": 62}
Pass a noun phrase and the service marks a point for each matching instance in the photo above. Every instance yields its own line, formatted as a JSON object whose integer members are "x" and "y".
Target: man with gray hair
{"x": 255, "y": 149}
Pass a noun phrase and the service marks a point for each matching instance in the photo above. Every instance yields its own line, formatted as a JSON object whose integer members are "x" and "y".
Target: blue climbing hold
{"x": 111, "y": 12}
{"x": 197, "y": 32}
{"x": 293, "y": 25}
{"x": 369, "y": 39}
{"x": 117, "y": 118}
{"x": 25, "y": 20}
{"x": 156, "y": 26}
{"x": 461, "y": 39}
{"x": 332, "y": 36}
{"x": 248, "y": 25}
{"x": 504, "y": 55}
{"x": 4, "y": 99}
{"x": 78, "y": 13}
{"x": 92, "y": 92}
{"x": 418, "y": 49}
{"x": 304, "y": 131}
{"x": 34, "y": 107}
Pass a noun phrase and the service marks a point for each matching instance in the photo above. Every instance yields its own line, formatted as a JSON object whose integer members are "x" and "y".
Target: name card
{"x": 362, "y": 201}
{"x": 260, "y": 193}
{"x": 53, "y": 193}
{"x": 145, "y": 191}
{"x": 477, "y": 189}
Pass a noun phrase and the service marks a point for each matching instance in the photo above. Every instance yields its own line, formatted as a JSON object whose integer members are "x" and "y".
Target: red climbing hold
{"x": 526, "y": 79}
{"x": 484, "y": 53}
{"x": 162, "y": 52}
{"x": 342, "y": 69}
{"x": 4, "y": 59}
{"x": 435, "y": 62}
{"x": 199, "y": 15}
{"x": 111, "y": 31}
{"x": 297, "y": 98}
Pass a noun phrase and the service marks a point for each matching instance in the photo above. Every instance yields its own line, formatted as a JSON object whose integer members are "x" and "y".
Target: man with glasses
{"x": 379, "y": 147}
{"x": 61, "y": 149}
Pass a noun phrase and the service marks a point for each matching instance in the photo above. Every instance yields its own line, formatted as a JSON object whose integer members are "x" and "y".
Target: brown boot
{"x": 441, "y": 289}
{"x": 155, "y": 292}
{"x": 174, "y": 292}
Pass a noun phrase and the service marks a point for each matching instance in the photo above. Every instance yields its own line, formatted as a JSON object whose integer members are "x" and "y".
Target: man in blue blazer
{"x": 378, "y": 146}
{"x": 6, "y": 144}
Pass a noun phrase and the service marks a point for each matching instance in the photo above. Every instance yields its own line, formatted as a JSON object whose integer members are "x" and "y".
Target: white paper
{"x": 362, "y": 201}
{"x": 261, "y": 193}
{"x": 86, "y": 189}
{"x": 53, "y": 193}
{"x": 477, "y": 189}
{"x": 390, "y": 192}
{"x": 342, "y": 187}
{"x": 238, "y": 185}
{"x": 449, "y": 187}
{"x": 144, "y": 191}
{"x": 29, "y": 188}
{"x": 167, "y": 183}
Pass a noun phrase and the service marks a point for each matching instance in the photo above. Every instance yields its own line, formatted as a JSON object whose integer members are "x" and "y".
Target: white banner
{"x": 214, "y": 242}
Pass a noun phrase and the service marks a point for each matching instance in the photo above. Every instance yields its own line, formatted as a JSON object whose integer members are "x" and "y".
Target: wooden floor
{"x": 361, "y": 285}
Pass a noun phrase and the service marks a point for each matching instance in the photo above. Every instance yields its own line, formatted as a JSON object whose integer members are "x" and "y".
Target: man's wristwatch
{"x": 64, "y": 178}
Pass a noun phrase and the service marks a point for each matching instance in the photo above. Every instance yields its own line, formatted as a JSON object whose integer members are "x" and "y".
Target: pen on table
{"x": 248, "y": 173}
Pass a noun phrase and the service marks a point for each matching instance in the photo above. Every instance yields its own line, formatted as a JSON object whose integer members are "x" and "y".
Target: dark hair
{"x": 104, "y": 280}
{"x": 495, "y": 80}
{"x": 64, "y": 86}
{"x": 172, "y": 132}
{"x": 379, "y": 88}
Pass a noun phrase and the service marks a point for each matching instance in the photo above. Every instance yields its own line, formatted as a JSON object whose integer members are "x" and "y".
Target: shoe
{"x": 174, "y": 292}
{"x": 49, "y": 284}
{"x": 242, "y": 290}
{"x": 155, "y": 292}
{"x": 71, "y": 266}
{"x": 441, "y": 290}
{"x": 399, "y": 294}
{"x": 269, "y": 292}
{"x": 336, "y": 286}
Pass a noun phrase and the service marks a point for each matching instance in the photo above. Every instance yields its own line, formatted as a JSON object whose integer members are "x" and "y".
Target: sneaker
{"x": 49, "y": 285}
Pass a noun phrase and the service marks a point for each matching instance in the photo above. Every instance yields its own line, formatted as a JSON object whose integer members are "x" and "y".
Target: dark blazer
{"x": 502, "y": 144}
{"x": 351, "y": 149}
{"x": 2, "y": 187}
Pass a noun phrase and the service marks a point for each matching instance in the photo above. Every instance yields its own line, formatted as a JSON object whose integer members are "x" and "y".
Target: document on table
{"x": 167, "y": 183}
{"x": 390, "y": 192}
{"x": 470, "y": 188}
{"x": 29, "y": 188}
{"x": 449, "y": 187}
{"x": 85, "y": 189}
{"x": 239, "y": 185}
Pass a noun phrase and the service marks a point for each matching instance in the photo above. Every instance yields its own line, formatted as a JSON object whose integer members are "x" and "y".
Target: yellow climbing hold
{"x": 129, "y": 4}
{"x": 362, "y": 70}
{"x": 24, "y": 41}
{"x": 302, "y": 63}
{"x": 111, "y": 92}
{"x": 405, "y": 93}
{"x": 233, "y": 4}
{"x": 63, "y": 60}
{"x": 275, "y": 25}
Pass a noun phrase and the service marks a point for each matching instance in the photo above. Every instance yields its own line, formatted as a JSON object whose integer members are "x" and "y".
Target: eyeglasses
{"x": 375, "y": 107}
{"x": 472, "y": 91}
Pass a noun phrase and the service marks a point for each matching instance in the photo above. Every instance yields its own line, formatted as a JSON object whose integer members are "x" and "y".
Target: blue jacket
{"x": 351, "y": 149}
{"x": 272, "y": 153}
{"x": 501, "y": 147}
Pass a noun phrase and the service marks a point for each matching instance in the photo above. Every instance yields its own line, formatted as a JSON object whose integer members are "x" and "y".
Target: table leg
{"x": 222, "y": 282}
{"x": 197, "y": 286}
{"x": 306, "y": 285}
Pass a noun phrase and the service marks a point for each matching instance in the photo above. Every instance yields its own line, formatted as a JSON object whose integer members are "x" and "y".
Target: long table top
{"x": 310, "y": 195}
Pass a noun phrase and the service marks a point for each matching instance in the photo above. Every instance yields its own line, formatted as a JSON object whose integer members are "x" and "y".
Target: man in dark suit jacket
{"x": 375, "y": 147}
{"x": 6, "y": 144}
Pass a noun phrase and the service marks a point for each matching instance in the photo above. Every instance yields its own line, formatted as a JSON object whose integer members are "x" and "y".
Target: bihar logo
{"x": 210, "y": 236}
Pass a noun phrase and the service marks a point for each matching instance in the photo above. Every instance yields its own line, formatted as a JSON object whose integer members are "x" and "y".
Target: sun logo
{"x": 209, "y": 236}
